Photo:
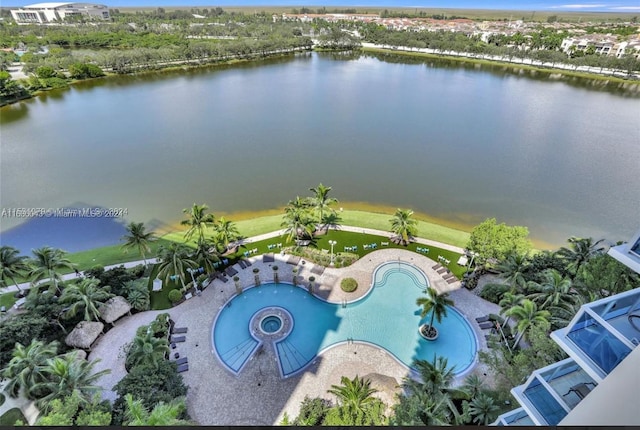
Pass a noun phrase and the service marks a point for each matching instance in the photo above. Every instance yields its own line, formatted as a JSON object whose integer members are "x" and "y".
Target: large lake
{"x": 458, "y": 143}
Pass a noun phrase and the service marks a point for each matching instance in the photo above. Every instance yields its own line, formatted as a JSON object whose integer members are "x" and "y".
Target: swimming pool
{"x": 387, "y": 317}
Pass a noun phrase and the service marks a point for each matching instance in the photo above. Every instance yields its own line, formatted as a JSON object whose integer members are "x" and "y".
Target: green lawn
{"x": 7, "y": 300}
{"x": 265, "y": 224}
{"x": 10, "y": 417}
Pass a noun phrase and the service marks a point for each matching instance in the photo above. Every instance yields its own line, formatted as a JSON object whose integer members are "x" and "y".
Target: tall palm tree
{"x": 148, "y": 349}
{"x": 198, "y": 220}
{"x": 46, "y": 263}
{"x": 85, "y": 296}
{"x": 508, "y": 301}
{"x": 138, "y": 238}
{"x": 321, "y": 201}
{"x": 163, "y": 414}
{"x": 332, "y": 220}
{"x": 11, "y": 265}
{"x": 174, "y": 261}
{"x": 354, "y": 394}
{"x": 527, "y": 314}
{"x": 205, "y": 255}
{"x": 226, "y": 231}
{"x": 299, "y": 224}
{"x": 437, "y": 305}
{"x": 554, "y": 290}
{"x": 580, "y": 250}
{"x": 512, "y": 270}
{"x": 403, "y": 225}
{"x": 24, "y": 370}
{"x": 483, "y": 409}
{"x": 66, "y": 374}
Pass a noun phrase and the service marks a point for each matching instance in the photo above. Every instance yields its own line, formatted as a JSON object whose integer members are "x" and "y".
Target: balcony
{"x": 516, "y": 417}
{"x": 602, "y": 333}
{"x": 553, "y": 391}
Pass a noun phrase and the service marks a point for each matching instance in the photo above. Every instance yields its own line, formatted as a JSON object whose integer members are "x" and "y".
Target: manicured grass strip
{"x": 7, "y": 300}
{"x": 113, "y": 254}
{"x": 10, "y": 417}
{"x": 426, "y": 230}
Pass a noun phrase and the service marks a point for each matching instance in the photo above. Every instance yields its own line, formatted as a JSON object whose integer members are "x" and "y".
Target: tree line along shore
{"x": 133, "y": 42}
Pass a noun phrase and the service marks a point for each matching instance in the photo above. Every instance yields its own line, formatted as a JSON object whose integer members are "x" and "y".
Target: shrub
{"x": 175, "y": 295}
{"x": 312, "y": 411}
{"x": 45, "y": 72}
{"x": 494, "y": 292}
{"x": 54, "y": 83}
{"x": 348, "y": 285}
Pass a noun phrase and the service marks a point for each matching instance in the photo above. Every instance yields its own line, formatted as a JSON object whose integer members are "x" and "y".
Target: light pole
{"x": 191, "y": 271}
{"x": 332, "y": 242}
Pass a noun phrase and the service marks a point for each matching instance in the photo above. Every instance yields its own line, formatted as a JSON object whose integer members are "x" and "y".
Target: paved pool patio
{"x": 258, "y": 395}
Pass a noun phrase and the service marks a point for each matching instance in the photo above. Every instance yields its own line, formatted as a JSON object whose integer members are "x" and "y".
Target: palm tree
{"x": 24, "y": 370}
{"x": 437, "y": 305}
{"x": 508, "y": 301}
{"x": 436, "y": 379}
{"x": 354, "y": 394}
{"x": 205, "y": 255}
{"x": 299, "y": 224}
{"x": 226, "y": 231}
{"x": 138, "y": 238}
{"x": 163, "y": 414}
{"x": 147, "y": 349}
{"x": 46, "y": 263}
{"x": 473, "y": 384}
{"x": 85, "y": 296}
{"x": 198, "y": 220}
{"x": 554, "y": 290}
{"x": 579, "y": 252}
{"x": 68, "y": 373}
{"x": 321, "y": 200}
{"x": 11, "y": 265}
{"x": 174, "y": 260}
{"x": 512, "y": 270}
{"x": 403, "y": 225}
{"x": 527, "y": 314}
{"x": 483, "y": 409}
{"x": 332, "y": 220}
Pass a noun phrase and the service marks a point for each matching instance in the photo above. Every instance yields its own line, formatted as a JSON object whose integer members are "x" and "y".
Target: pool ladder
{"x": 344, "y": 303}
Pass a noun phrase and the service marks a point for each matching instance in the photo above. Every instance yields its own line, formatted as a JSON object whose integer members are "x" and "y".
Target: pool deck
{"x": 258, "y": 395}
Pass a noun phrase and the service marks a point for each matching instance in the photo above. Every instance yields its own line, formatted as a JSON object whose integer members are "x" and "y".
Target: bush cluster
{"x": 348, "y": 285}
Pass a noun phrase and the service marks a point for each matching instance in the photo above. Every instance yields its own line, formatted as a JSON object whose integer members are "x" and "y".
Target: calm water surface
{"x": 457, "y": 143}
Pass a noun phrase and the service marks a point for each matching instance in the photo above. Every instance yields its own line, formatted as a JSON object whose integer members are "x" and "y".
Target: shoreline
{"x": 631, "y": 86}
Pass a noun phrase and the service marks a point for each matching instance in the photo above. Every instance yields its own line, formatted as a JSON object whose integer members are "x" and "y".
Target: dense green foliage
{"x": 492, "y": 241}
{"x": 73, "y": 410}
{"x": 149, "y": 384}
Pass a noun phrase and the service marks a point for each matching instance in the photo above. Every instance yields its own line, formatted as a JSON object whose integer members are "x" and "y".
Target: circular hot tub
{"x": 271, "y": 324}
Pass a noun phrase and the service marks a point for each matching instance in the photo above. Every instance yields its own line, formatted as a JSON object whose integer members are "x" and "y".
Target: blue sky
{"x": 559, "y": 5}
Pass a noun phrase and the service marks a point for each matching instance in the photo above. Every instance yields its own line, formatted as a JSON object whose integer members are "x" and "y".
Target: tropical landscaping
{"x": 43, "y": 361}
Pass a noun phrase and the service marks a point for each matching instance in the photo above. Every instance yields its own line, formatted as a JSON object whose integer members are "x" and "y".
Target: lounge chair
{"x": 482, "y": 319}
{"x": 581, "y": 390}
{"x": 452, "y": 280}
{"x": 180, "y": 330}
{"x": 437, "y": 266}
{"x": 241, "y": 264}
{"x": 448, "y": 276}
{"x": 181, "y": 361}
{"x": 183, "y": 368}
{"x": 268, "y": 258}
{"x": 442, "y": 270}
{"x": 230, "y": 271}
{"x": 176, "y": 339}
{"x": 486, "y": 325}
{"x": 247, "y": 263}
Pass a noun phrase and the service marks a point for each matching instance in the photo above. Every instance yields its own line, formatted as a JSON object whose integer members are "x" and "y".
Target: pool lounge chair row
{"x": 180, "y": 330}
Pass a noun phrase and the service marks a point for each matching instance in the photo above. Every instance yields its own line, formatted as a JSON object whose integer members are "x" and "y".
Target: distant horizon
{"x": 543, "y": 6}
